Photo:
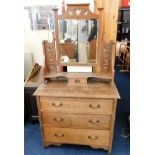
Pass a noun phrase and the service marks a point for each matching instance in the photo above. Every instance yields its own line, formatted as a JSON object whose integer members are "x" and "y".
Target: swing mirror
{"x": 78, "y": 41}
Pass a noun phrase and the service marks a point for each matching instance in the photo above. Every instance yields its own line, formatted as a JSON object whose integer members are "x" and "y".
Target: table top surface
{"x": 61, "y": 89}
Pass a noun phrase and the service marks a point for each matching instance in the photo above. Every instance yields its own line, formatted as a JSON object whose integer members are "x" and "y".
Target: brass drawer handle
{"x": 58, "y": 120}
{"x": 93, "y": 121}
{"x": 59, "y": 135}
{"x": 57, "y": 105}
{"x": 93, "y": 137}
{"x": 94, "y": 107}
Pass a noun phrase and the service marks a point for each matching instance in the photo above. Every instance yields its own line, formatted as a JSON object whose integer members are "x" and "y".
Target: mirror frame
{"x": 72, "y": 13}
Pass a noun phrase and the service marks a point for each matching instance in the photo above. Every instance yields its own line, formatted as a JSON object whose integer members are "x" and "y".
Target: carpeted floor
{"x": 121, "y": 146}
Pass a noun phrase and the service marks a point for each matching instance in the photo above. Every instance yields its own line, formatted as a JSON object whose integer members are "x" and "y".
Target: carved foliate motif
{"x": 106, "y": 59}
{"x": 70, "y": 13}
{"x": 78, "y": 11}
{"x": 51, "y": 57}
{"x": 85, "y": 13}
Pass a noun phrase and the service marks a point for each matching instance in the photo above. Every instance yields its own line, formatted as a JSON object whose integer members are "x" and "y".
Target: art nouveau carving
{"x": 77, "y": 107}
{"x": 50, "y": 56}
{"x": 78, "y": 12}
{"x": 107, "y": 53}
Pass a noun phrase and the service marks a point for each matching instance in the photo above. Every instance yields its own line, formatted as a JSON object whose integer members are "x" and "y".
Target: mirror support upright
{"x": 56, "y": 36}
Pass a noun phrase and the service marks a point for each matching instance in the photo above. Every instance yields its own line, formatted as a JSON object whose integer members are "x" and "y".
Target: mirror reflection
{"x": 78, "y": 41}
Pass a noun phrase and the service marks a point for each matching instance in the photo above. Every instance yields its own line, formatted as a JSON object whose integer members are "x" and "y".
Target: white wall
{"x": 56, "y": 2}
{"x": 33, "y": 43}
{"x": 33, "y": 39}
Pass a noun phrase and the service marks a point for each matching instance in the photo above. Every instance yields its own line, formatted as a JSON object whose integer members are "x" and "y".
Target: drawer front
{"x": 77, "y": 136}
{"x": 76, "y": 120}
{"x": 73, "y": 105}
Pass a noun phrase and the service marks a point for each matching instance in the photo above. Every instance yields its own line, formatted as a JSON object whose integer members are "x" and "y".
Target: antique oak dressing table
{"x": 77, "y": 108}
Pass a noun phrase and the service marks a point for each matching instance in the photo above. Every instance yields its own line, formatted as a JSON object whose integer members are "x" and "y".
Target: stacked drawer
{"x": 76, "y": 121}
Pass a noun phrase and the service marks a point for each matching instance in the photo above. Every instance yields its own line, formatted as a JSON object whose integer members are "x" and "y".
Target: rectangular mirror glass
{"x": 78, "y": 41}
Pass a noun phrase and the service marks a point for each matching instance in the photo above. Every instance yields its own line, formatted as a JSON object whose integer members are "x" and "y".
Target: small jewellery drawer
{"x": 76, "y": 120}
{"x": 76, "y": 105}
{"x": 77, "y": 136}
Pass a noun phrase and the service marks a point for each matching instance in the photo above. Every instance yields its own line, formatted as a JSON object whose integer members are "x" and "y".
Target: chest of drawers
{"x": 77, "y": 115}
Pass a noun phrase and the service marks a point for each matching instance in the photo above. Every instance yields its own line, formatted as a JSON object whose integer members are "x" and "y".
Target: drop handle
{"x": 94, "y": 106}
{"x": 58, "y": 120}
{"x": 93, "y": 137}
{"x": 57, "y": 105}
{"x": 93, "y": 121}
{"x": 59, "y": 135}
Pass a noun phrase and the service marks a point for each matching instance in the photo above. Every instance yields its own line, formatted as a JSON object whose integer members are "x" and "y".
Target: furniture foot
{"x": 57, "y": 144}
{"x": 100, "y": 147}
{"x": 109, "y": 151}
{"x": 45, "y": 144}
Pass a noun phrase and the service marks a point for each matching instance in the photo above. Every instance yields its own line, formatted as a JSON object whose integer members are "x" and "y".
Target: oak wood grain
{"x": 69, "y": 105}
{"x": 62, "y": 90}
{"x": 77, "y": 136}
{"x": 82, "y": 113}
{"x": 70, "y": 120}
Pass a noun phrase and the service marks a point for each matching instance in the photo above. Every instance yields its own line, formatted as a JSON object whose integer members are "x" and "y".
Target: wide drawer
{"x": 76, "y": 120}
{"x": 76, "y": 105}
{"x": 77, "y": 136}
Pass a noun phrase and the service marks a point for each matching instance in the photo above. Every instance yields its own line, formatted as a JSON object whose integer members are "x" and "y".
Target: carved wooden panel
{"x": 50, "y": 56}
{"x": 78, "y": 11}
{"x": 106, "y": 63}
